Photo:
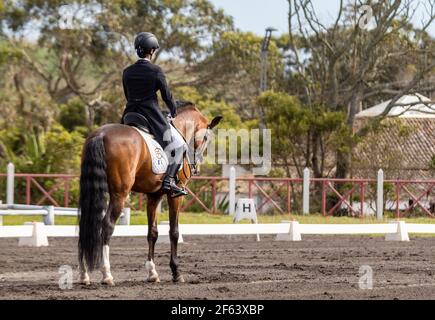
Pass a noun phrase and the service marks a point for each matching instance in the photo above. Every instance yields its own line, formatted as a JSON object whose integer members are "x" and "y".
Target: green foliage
{"x": 83, "y": 45}
{"x": 210, "y": 107}
{"x": 54, "y": 151}
{"x": 232, "y": 70}
{"x": 223, "y": 204}
{"x": 432, "y": 163}
{"x": 8, "y": 54}
{"x": 294, "y": 125}
{"x": 72, "y": 75}
{"x": 73, "y": 114}
{"x": 181, "y": 25}
{"x": 57, "y": 151}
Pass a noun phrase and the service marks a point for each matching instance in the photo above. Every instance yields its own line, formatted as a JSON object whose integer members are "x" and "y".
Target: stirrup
{"x": 178, "y": 193}
{"x": 172, "y": 189}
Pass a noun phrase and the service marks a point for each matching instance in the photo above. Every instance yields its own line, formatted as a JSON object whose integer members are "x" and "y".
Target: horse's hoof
{"x": 108, "y": 282}
{"x": 85, "y": 282}
{"x": 178, "y": 279}
{"x": 153, "y": 279}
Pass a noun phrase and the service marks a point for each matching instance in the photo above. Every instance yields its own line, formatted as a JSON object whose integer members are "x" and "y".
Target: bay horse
{"x": 116, "y": 161}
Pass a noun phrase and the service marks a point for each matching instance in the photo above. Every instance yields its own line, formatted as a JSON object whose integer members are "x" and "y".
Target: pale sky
{"x": 257, "y": 15}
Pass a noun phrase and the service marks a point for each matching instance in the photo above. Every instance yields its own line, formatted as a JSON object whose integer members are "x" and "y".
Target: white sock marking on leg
{"x": 106, "y": 263}
{"x": 151, "y": 268}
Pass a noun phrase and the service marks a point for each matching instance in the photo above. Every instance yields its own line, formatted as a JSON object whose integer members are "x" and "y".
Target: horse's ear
{"x": 215, "y": 122}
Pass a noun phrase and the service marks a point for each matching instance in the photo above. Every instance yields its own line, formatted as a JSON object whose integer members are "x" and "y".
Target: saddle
{"x": 159, "y": 158}
{"x": 137, "y": 120}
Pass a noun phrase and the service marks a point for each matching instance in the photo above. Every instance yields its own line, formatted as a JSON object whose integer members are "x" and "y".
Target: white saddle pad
{"x": 159, "y": 159}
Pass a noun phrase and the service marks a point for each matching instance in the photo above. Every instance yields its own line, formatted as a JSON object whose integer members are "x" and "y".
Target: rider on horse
{"x": 141, "y": 82}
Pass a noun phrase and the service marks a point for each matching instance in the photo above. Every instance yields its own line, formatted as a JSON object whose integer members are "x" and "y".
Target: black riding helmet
{"x": 144, "y": 43}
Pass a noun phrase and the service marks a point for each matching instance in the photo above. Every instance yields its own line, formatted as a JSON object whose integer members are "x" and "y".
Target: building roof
{"x": 417, "y": 148}
{"x": 414, "y": 111}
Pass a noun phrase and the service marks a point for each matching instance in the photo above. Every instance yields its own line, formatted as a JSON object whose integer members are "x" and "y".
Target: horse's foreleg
{"x": 113, "y": 213}
{"x": 153, "y": 202}
{"x": 174, "y": 207}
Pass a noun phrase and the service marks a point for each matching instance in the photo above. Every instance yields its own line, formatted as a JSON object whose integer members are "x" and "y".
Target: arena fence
{"x": 354, "y": 197}
{"x": 49, "y": 213}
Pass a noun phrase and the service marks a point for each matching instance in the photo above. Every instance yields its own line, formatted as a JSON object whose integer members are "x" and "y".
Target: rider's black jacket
{"x": 141, "y": 82}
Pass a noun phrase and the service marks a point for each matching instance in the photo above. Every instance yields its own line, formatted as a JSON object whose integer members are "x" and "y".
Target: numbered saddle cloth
{"x": 159, "y": 158}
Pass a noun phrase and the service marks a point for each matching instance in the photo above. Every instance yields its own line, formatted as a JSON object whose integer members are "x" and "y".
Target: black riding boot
{"x": 169, "y": 183}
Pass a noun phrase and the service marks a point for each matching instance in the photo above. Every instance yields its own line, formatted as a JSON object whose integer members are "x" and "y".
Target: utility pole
{"x": 264, "y": 56}
{"x": 263, "y": 81}
{"x": 263, "y": 72}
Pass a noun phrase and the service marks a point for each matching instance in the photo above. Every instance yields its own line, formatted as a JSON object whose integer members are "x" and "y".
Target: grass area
{"x": 140, "y": 218}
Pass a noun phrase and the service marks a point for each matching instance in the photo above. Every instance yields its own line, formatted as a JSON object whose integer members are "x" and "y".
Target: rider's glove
{"x": 171, "y": 117}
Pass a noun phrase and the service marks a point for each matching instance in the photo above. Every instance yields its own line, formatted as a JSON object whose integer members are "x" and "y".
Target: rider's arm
{"x": 166, "y": 93}
{"x": 124, "y": 86}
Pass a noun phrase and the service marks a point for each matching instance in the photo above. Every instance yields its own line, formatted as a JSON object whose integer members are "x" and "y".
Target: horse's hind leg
{"x": 153, "y": 202}
{"x": 84, "y": 276}
{"x": 113, "y": 213}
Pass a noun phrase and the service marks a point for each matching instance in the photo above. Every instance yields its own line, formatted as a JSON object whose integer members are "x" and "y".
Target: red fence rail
{"x": 62, "y": 182}
{"x": 279, "y": 194}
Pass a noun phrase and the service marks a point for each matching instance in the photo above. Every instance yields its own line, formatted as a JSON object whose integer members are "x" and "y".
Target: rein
{"x": 197, "y": 154}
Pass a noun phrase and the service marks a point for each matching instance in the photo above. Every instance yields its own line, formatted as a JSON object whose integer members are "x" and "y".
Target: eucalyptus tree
{"x": 83, "y": 45}
{"x": 371, "y": 51}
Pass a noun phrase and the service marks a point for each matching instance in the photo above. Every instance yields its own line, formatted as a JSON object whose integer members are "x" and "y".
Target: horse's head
{"x": 195, "y": 128}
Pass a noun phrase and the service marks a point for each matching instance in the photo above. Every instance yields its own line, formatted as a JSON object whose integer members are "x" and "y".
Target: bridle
{"x": 197, "y": 153}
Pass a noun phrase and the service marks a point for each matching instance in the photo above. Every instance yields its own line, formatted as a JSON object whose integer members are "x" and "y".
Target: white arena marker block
{"x": 294, "y": 233}
{"x": 246, "y": 210}
{"x": 164, "y": 238}
{"x": 38, "y": 238}
{"x": 400, "y": 235}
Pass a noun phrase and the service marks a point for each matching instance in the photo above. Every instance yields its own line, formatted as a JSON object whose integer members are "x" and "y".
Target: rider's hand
{"x": 171, "y": 117}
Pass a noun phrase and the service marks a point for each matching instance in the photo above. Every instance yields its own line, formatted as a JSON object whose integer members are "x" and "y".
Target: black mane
{"x": 182, "y": 104}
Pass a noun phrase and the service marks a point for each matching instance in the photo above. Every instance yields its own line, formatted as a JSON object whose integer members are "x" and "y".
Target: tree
{"x": 86, "y": 43}
{"x": 303, "y": 137}
{"x": 232, "y": 70}
{"x": 345, "y": 67}
{"x": 56, "y": 151}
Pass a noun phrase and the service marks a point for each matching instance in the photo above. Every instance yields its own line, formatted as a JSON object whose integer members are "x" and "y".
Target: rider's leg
{"x": 161, "y": 130}
{"x": 169, "y": 183}
{"x": 159, "y": 125}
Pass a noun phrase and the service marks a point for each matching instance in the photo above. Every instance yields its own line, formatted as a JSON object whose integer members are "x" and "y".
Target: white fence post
{"x": 49, "y": 218}
{"x": 125, "y": 218}
{"x": 306, "y": 192}
{"x": 10, "y": 184}
{"x": 380, "y": 196}
{"x": 232, "y": 191}
{"x": 159, "y": 207}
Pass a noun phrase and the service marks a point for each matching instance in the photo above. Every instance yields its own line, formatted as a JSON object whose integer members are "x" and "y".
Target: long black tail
{"x": 92, "y": 203}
